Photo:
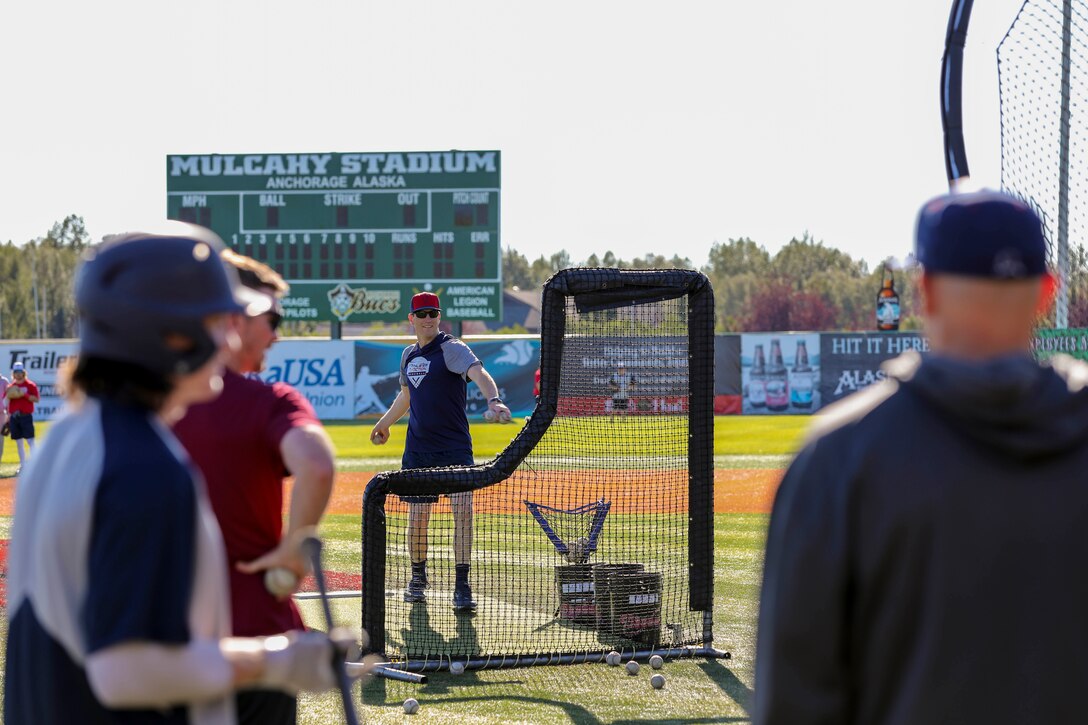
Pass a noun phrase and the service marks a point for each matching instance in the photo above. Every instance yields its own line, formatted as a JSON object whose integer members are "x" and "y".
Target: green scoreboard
{"x": 355, "y": 234}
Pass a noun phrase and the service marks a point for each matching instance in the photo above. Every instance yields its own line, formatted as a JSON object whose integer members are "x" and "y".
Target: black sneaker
{"x": 414, "y": 592}
{"x": 462, "y": 599}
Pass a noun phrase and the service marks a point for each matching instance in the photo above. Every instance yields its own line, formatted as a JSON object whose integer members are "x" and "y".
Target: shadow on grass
{"x": 681, "y": 721}
{"x": 731, "y": 685}
{"x": 576, "y": 713}
{"x": 375, "y": 694}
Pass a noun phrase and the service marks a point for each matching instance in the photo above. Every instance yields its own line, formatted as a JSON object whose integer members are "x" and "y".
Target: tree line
{"x": 805, "y": 285}
{"x": 36, "y": 299}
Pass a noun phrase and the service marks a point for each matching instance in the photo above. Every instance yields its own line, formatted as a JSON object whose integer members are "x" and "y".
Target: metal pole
{"x": 501, "y": 662}
{"x": 1061, "y": 310}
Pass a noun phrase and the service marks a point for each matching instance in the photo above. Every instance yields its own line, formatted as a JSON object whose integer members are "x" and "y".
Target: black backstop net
{"x": 1043, "y": 84}
{"x": 592, "y": 531}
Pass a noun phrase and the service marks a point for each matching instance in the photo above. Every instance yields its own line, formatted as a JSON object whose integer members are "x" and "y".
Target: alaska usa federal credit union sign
{"x": 355, "y": 234}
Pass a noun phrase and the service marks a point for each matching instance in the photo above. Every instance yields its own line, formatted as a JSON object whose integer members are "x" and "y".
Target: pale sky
{"x": 632, "y": 126}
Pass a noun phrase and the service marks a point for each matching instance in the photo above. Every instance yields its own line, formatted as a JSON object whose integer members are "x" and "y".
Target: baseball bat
{"x": 311, "y": 547}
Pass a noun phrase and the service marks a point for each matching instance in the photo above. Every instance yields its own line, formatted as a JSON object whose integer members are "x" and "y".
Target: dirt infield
{"x": 741, "y": 490}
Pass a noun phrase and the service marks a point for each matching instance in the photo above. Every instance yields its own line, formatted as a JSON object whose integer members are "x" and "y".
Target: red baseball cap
{"x": 425, "y": 301}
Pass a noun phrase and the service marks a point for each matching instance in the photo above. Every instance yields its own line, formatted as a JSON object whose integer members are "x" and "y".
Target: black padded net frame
{"x": 624, "y": 426}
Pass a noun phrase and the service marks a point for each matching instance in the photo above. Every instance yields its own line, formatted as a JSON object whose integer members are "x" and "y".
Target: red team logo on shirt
{"x": 417, "y": 369}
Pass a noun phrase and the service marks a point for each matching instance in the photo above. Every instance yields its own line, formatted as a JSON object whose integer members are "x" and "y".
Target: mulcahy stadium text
{"x": 333, "y": 171}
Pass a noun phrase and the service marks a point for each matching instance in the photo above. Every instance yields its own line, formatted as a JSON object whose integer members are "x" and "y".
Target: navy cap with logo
{"x": 980, "y": 234}
{"x": 425, "y": 301}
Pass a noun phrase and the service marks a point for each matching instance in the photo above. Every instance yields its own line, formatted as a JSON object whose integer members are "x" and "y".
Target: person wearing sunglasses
{"x": 434, "y": 375}
{"x": 245, "y": 441}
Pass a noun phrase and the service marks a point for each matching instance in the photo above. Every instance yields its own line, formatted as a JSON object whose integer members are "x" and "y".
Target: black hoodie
{"x": 927, "y": 558}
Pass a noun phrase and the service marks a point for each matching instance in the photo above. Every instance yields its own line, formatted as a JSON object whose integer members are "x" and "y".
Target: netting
{"x": 573, "y": 532}
{"x": 1043, "y": 129}
{"x": 592, "y": 531}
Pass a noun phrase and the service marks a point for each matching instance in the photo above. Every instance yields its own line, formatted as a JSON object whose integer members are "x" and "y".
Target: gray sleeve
{"x": 459, "y": 358}
{"x": 400, "y": 373}
{"x": 141, "y": 674}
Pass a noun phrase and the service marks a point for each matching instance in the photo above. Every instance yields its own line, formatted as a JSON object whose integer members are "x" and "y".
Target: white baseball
{"x": 457, "y": 668}
{"x": 280, "y": 582}
{"x": 613, "y": 658}
{"x": 489, "y": 415}
{"x": 411, "y": 706}
{"x": 632, "y": 668}
{"x": 656, "y": 662}
{"x": 657, "y": 681}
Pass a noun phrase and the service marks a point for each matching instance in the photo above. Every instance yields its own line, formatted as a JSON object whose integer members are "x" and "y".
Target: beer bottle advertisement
{"x": 780, "y": 372}
{"x": 778, "y": 392}
{"x": 802, "y": 378}
{"x": 887, "y": 304}
{"x": 757, "y": 380}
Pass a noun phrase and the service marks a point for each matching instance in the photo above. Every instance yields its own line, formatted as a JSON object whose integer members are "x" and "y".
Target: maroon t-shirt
{"x": 235, "y": 441}
{"x": 23, "y": 404}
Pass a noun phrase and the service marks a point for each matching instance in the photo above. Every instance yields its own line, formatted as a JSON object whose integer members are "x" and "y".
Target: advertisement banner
{"x": 851, "y": 360}
{"x": 628, "y": 375}
{"x": 1073, "y": 342}
{"x": 511, "y": 362}
{"x": 42, "y": 361}
{"x": 322, "y": 370}
{"x": 754, "y": 374}
{"x": 780, "y": 372}
{"x": 728, "y": 388}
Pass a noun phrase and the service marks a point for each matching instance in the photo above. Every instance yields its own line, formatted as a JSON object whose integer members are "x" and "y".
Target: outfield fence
{"x": 358, "y": 378}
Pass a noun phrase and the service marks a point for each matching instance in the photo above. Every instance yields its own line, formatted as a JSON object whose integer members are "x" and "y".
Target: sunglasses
{"x": 274, "y": 320}
{"x": 425, "y": 314}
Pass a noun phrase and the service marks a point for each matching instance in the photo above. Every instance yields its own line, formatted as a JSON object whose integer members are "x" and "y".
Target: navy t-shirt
{"x": 436, "y": 376}
{"x": 103, "y": 552}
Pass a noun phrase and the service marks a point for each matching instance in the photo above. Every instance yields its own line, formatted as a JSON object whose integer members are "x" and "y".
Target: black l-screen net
{"x": 592, "y": 531}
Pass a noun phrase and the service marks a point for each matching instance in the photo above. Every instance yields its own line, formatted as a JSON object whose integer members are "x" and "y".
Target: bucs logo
{"x": 340, "y": 301}
{"x": 417, "y": 369}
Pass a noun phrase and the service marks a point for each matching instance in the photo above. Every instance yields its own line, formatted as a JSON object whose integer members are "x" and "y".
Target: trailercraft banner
{"x": 43, "y": 361}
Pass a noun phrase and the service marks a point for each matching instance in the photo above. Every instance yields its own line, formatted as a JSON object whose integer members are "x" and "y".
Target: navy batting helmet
{"x": 138, "y": 288}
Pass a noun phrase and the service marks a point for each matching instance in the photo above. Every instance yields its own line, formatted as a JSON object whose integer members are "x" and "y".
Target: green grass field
{"x": 696, "y": 691}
